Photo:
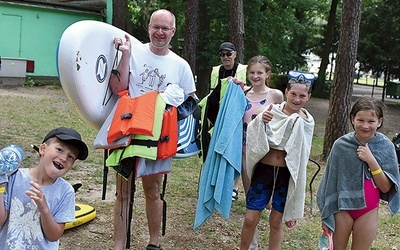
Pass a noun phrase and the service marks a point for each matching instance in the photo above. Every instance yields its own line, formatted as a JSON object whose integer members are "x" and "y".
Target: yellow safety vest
{"x": 240, "y": 74}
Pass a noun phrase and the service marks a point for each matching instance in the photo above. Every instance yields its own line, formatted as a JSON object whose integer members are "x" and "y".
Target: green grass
{"x": 29, "y": 113}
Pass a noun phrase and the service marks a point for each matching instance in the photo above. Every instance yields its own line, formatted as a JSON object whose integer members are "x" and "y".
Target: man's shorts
{"x": 268, "y": 181}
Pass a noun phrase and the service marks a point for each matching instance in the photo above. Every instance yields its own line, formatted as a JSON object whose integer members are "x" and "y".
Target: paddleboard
{"x": 85, "y": 57}
{"x": 83, "y": 214}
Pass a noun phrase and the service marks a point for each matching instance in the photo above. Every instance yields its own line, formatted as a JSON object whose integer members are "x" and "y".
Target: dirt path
{"x": 319, "y": 109}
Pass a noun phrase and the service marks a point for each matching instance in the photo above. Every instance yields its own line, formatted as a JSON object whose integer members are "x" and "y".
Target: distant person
{"x": 361, "y": 169}
{"x": 35, "y": 203}
{"x": 277, "y": 151}
{"x": 168, "y": 68}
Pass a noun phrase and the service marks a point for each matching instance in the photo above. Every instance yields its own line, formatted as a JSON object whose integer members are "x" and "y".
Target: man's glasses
{"x": 225, "y": 54}
{"x": 165, "y": 29}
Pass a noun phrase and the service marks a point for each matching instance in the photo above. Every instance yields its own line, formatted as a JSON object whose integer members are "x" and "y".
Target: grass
{"x": 28, "y": 113}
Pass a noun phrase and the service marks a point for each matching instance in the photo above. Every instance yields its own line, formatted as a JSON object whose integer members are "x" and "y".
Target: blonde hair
{"x": 264, "y": 61}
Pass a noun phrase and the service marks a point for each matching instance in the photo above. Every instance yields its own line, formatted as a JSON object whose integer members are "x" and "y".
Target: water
{"x": 10, "y": 159}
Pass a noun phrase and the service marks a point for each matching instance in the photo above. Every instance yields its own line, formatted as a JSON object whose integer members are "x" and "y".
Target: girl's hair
{"x": 264, "y": 61}
{"x": 368, "y": 103}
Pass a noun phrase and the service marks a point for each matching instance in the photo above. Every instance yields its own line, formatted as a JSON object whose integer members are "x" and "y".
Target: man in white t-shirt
{"x": 143, "y": 68}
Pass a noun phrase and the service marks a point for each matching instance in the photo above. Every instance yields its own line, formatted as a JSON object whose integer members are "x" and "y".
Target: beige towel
{"x": 292, "y": 134}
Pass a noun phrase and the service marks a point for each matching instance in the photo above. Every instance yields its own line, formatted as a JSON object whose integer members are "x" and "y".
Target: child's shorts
{"x": 268, "y": 180}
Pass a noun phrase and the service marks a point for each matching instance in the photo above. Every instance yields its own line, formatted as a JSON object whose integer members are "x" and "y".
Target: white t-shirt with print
{"x": 150, "y": 72}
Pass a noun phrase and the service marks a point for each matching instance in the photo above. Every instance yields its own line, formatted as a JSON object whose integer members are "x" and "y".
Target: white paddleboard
{"x": 85, "y": 57}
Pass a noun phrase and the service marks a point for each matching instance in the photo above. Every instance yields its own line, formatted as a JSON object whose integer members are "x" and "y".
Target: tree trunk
{"x": 342, "y": 89}
{"x": 319, "y": 91}
{"x": 203, "y": 70}
{"x": 189, "y": 46}
{"x": 121, "y": 15}
{"x": 237, "y": 27}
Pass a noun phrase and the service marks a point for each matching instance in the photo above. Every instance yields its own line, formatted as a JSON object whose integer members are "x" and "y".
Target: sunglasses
{"x": 225, "y": 54}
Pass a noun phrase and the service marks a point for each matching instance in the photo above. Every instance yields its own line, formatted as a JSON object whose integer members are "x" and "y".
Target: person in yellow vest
{"x": 229, "y": 67}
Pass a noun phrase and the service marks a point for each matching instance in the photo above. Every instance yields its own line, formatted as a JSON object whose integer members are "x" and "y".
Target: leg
{"x": 343, "y": 227}
{"x": 152, "y": 189}
{"x": 364, "y": 230}
{"x": 276, "y": 229}
{"x": 245, "y": 177}
{"x": 249, "y": 225}
{"x": 254, "y": 241}
{"x": 121, "y": 211}
{"x": 235, "y": 189}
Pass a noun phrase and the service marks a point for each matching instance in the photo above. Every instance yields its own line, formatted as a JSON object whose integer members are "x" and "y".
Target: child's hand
{"x": 326, "y": 230}
{"x": 237, "y": 81}
{"x": 267, "y": 114}
{"x": 37, "y": 195}
{"x": 365, "y": 154}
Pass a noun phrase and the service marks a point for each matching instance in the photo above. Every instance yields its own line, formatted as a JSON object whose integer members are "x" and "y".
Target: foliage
{"x": 282, "y": 30}
{"x": 379, "y": 47}
{"x": 29, "y": 82}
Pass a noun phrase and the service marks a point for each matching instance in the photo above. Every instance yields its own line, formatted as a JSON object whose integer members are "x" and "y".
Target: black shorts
{"x": 268, "y": 181}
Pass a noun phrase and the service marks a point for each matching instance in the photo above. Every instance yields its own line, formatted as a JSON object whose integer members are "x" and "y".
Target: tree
{"x": 121, "y": 15}
{"x": 189, "y": 47}
{"x": 342, "y": 89}
{"x": 327, "y": 48}
{"x": 237, "y": 27}
{"x": 379, "y": 49}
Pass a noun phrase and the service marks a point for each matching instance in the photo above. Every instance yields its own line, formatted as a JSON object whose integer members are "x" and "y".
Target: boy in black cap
{"x": 35, "y": 203}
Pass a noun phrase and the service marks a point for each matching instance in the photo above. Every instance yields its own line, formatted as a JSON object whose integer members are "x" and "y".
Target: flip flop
{"x": 323, "y": 243}
{"x": 153, "y": 247}
{"x": 235, "y": 195}
{"x": 291, "y": 224}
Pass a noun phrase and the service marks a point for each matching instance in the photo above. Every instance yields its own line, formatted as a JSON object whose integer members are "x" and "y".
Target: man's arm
{"x": 119, "y": 80}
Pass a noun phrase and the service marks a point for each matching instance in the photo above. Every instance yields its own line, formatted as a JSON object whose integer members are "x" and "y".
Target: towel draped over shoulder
{"x": 342, "y": 185}
{"x": 292, "y": 134}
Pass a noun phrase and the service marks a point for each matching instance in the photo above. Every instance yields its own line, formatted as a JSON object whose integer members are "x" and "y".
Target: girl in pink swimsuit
{"x": 358, "y": 172}
{"x": 259, "y": 96}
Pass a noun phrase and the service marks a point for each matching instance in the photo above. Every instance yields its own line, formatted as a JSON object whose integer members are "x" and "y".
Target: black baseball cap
{"x": 227, "y": 46}
{"x": 69, "y": 136}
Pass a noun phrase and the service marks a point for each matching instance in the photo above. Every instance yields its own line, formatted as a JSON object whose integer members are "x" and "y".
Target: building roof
{"x": 75, "y": 5}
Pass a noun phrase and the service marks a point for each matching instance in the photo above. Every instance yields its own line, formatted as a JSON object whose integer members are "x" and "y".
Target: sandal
{"x": 235, "y": 195}
{"x": 153, "y": 247}
{"x": 323, "y": 243}
{"x": 291, "y": 224}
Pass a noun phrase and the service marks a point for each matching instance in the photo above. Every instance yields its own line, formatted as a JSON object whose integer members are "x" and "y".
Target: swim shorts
{"x": 268, "y": 181}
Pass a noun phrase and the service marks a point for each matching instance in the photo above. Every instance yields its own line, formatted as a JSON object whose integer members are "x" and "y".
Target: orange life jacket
{"x": 168, "y": 142}
{"x": 125, "y": 123}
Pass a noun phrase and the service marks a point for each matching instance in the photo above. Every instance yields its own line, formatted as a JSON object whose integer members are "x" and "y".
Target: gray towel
{"x": 342, "y": 185}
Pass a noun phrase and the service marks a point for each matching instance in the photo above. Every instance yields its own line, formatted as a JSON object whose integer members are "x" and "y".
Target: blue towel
{"x": 224, "y": 159}
{"x": 345, "y": 172}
